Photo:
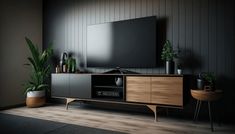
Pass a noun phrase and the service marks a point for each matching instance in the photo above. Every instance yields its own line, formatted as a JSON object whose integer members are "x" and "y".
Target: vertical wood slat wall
{"x": 203, "y": 30}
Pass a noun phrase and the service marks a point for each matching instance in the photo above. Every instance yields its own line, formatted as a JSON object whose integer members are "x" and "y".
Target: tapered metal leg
{"x": 198, "y": 107}
{"x": 195, "y": 112}
{"x": 211, "y": 121}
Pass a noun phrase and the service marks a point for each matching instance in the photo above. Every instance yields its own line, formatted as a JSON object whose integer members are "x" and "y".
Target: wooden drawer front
{"x": 167, "y": 90}
{"x": 138, "y": 89}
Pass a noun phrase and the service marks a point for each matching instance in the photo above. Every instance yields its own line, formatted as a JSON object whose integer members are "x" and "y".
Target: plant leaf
{"x": 42, "y": 86}
{"x": 34, "y": 51}
{"x": 33, "y": 63}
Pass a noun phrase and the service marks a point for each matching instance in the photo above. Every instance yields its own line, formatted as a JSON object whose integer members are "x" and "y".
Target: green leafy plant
{"x": 40, "y": 69}
{"x": 71, "y": 63}
{"x": 167, "y": 52}
{"x": 179, "y": 66}
{"x": 210, "y": 79}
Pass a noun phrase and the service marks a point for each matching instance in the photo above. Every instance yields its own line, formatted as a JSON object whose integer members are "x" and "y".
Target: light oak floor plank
{"x": 127, "y": 122}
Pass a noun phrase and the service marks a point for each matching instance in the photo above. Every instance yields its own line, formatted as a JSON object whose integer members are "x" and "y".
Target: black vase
{"x": 169, "y": 67}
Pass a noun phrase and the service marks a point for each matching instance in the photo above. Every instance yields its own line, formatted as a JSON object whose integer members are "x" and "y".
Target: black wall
{"x": 203, "y": 30}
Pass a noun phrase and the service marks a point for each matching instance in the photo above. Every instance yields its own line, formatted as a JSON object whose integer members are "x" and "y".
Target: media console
{"x": 152, "y": 90}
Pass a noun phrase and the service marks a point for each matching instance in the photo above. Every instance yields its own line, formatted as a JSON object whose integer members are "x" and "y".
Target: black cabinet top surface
{"x": 101, "y": 74}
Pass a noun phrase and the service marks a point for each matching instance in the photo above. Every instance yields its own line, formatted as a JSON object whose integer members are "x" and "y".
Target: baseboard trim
{"x": 12, "y": 106}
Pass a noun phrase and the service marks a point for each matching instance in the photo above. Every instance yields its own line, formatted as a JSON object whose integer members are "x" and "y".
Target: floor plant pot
{"x": 169, "y": 67}
{"x": 35, "y": 98}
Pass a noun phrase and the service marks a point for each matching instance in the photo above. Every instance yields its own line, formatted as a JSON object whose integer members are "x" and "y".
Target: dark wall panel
{"x": 196, "y": 48}
{"x": 203, "y": 31}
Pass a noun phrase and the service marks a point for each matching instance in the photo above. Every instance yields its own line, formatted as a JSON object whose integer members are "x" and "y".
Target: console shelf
{"x": 106, "y": 87}
{"x": 111, "y": 87}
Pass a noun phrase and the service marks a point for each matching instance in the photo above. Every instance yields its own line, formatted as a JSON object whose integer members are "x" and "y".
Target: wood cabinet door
{"x": 138, "y": 89}
{"x": 167, "y": 90}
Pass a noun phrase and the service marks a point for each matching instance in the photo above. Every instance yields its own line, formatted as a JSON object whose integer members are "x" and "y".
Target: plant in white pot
{"x": 168, "y": 55}
{"x": 179, "y": 69}
{"x": 36, "y": 87}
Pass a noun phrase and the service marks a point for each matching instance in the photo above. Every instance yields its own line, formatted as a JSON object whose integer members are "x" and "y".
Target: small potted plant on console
{"x": 168, "y": 55}
{"x": 35, "y": 88}
{"x": 179, "y": 69}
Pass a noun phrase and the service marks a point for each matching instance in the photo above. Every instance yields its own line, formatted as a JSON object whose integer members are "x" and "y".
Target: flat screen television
{"x": 123, "y": 44}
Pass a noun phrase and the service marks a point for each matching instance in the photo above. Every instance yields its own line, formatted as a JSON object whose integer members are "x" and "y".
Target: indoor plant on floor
{"x": 168, "y": 55}
{"x": 35, "y": 88}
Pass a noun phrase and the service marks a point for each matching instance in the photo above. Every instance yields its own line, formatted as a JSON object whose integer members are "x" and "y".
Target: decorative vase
{"x": 200, "y": 83}
{"x": 35, "y": 98}
{"x": 118, "y": 81}
{"x": 179, "y": 71}
{"x": 169, "y": 67}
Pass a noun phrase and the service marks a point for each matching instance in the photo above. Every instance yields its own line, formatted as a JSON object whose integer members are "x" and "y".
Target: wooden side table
{"x": 207, "y": 96}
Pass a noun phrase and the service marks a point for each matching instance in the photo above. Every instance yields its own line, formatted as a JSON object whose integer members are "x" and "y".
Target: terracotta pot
{"x": 35, "y": 98}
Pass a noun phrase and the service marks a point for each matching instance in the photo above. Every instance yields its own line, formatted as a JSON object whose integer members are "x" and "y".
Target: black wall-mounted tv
{"x": 124, "y": 44}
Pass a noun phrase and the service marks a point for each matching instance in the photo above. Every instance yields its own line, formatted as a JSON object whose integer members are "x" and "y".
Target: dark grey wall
{"x": 202, "y": 29}
{"x": 17, "y": 20}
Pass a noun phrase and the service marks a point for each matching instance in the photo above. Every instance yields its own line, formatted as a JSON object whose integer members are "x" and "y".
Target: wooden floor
{"x": 118, "y": 121}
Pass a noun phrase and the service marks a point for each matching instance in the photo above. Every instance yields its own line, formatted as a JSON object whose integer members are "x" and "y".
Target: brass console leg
{"x": 68, "y": 100}
{"x": 154, "y": 109}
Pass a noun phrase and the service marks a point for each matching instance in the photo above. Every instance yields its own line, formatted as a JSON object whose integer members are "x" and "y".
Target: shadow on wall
{"x": 161, "y": 38}
{"x": 226, "y": 107}
{"x": 55, "y": 60}
{"x": 222, "y": 109}
{"x": 190, "y": 61}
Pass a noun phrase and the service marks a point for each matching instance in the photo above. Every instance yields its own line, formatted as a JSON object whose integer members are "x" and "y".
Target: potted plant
{"x": 168, "y": 55}
{"x": 179, "y": 69}
{"x": 71, "y": 64}
{"x": 209, "y": 81}
{"x": 35, "y": 88}
{"x": 200, "y": 81}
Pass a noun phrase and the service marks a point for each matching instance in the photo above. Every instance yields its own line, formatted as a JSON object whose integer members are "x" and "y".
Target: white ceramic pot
{"x": 179, "y": 71}
{"x": 118, "y": 81}
{"x": 40, "y": 93}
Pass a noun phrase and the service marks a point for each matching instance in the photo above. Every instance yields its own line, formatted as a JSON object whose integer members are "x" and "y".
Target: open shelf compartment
{"x": 108, "y": 87}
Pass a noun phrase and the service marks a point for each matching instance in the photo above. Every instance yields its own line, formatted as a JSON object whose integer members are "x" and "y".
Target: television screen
{"x": 124, "y": 44}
